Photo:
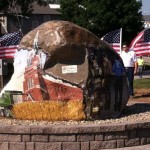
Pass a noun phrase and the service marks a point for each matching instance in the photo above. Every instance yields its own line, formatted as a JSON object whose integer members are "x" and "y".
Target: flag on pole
{"x": 141, "y": 43}
{"x": 9, "y": 44}
{"x": 114, "y": 39}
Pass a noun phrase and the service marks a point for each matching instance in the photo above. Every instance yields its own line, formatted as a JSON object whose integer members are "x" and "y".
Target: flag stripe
{"x": 141, "y": 43}
{"x": 113, "y": 39}
{"x": 8, "y": 47}
{"x": 9, "y": 44}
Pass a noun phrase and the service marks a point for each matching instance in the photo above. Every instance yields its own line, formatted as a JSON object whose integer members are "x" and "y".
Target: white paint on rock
{"x": 22, "y": 59}
{"x": 16, "y": 81}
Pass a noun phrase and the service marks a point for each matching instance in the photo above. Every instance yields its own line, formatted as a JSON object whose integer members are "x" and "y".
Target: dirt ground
{"x": 141, "y": 96}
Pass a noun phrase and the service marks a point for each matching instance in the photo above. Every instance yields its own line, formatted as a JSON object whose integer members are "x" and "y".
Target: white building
{"x": 146, "y": 21}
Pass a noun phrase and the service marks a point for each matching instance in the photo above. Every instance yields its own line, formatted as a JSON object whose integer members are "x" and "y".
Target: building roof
{"x": 44, "y": 9}
{"x": 55, "y": 6}
{"x": 37, "y": 9}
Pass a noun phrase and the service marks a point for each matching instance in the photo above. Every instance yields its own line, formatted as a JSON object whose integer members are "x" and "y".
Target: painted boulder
{"x": 62, "y": 63}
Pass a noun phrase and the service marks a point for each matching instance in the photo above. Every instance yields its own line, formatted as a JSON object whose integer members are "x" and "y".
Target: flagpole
{"x": 120, "y": 40}
{"x": 1, "y": 74}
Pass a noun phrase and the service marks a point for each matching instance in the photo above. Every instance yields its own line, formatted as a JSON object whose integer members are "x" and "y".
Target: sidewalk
{"x": 146, "y": 74}
{"x": 142, "y": 147}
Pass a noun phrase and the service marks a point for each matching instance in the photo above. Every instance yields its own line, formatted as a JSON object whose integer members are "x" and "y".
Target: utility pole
{"x": 1, "y": 75}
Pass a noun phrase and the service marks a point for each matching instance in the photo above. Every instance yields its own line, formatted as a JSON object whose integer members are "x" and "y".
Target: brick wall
{"x": 74, "y": 137}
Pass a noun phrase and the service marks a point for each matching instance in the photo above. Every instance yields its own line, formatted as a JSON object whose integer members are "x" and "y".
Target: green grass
{"x": 142, "y": 84}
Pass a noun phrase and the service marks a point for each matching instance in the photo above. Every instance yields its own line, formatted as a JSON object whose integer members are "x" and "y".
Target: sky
{"x": 146, "y": 7}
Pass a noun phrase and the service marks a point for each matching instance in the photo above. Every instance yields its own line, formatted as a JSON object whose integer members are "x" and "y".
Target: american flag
{"x": 113, "y": 38}
{"x": 9, "y": 44}
{"x": 141, "y": 43}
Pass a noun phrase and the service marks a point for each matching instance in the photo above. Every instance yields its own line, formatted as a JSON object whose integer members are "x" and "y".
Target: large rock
{"x": 66, "y": 44}
{"x": 78, "y": 63}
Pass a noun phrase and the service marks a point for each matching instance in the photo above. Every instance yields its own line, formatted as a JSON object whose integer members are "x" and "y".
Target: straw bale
{"x": 50, "y": 110}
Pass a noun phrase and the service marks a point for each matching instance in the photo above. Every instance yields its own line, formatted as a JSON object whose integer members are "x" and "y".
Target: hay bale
{"x": 50, "y": 110}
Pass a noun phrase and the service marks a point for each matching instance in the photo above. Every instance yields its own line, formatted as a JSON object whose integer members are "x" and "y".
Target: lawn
{"x": 142, "y": 84}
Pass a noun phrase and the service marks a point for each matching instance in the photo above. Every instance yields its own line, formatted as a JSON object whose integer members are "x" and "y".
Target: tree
{"x": 103, "y": 16}
{"x": 24, "y": 5}
{"x": 53, "y": 1}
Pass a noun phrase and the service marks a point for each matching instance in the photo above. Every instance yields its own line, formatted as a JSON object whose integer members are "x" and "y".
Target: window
{"x": 13, "y": 27}
{"x": 3, "y": 20}
{"x": 30, "y": 83}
